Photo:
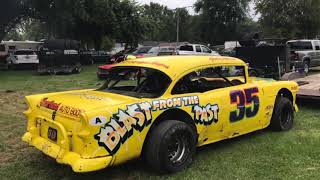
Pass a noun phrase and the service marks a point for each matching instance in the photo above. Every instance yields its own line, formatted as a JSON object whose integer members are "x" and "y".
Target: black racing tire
{"x": 283, "y": 115}
{"x": 77, "y": 70}
{"x": 171, "y": 147}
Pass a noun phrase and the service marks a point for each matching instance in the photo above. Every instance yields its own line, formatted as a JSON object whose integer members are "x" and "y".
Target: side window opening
{"x": 208, "y": 79}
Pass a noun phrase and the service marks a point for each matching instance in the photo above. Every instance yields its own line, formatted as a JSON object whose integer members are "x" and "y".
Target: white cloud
{"x": 172, "y": 4}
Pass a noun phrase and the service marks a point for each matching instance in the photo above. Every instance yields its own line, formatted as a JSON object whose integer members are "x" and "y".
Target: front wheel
{"x": 171, "y": 146}
{"x": 283, "y": 115}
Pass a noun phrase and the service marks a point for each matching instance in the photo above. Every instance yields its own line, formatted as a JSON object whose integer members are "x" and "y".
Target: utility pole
{"x": 178, "y": 22}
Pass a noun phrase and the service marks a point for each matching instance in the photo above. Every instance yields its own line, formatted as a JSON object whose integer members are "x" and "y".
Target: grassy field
{"x": 261, "y": 155}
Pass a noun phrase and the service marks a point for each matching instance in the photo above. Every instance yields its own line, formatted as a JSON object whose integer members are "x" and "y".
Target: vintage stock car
{"x": 158, "y": 108}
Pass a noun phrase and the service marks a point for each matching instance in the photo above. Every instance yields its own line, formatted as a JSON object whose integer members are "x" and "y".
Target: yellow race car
{"x": 158, "y": 108}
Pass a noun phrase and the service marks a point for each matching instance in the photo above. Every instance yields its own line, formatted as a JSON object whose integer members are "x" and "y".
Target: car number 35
{"x": 244, "y": 99}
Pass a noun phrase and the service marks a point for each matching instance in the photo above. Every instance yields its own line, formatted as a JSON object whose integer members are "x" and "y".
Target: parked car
{"x": 104, "y": 70}
{"x": 157, "y": 108}
{"x": 148, "y": 51}
{"x": 160, "y": 51}
{"x": 305, "y": 53}
{"x": 167, "y": 51}
{"x": 22, "y": 57}
{"x": 141, "y": 51}
{"x": 101, "y": 57}
{"x": 195, "y": 49}
{"x": 121, "y": 56}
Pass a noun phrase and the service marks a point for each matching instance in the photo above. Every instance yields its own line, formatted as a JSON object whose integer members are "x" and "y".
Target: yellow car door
{"x": 238, "y": 100}
{"x": 243, "y": 104}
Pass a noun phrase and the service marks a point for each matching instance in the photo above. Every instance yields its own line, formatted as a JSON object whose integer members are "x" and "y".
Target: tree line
{"x": 100, "y": 23}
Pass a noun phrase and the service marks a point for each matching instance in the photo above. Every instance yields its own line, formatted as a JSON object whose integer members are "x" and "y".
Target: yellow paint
{"x": 78, "y": 135}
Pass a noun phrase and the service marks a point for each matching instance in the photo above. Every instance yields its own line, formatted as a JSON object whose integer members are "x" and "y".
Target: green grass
{"x": 261, "y": 155}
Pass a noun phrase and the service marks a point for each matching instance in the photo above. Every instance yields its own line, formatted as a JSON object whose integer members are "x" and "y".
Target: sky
{"x": 172, "y": 4}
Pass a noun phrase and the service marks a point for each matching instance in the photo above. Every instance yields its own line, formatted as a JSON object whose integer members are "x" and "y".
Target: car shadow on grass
{"x": 138, "y": 168}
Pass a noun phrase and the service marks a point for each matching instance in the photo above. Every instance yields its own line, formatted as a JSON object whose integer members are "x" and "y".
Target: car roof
{"x": 176, "y": 65}
{"x": 192, "y": 45}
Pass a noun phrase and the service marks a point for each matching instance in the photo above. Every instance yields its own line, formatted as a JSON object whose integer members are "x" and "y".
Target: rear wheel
{"x": 283, "y": 115}
{"x": 171, "y": 146}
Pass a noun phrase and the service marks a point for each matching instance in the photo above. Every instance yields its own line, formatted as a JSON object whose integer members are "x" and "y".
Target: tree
{"x": 11, "y": 12}
{"x": 131, "y": 25}
{"x": 220, "y": 19}
{"x": 162, "y": 22}
{"x": 289, "y": 18}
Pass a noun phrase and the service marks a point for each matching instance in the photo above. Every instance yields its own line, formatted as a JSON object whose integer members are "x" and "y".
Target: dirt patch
{"x": 12, "y": 103}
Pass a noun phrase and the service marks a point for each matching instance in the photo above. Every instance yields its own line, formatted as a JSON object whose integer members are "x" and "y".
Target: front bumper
{"x": 62, "y": 152}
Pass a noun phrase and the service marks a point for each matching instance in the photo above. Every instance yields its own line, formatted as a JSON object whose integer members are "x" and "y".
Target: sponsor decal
{"x": 206, "y": 115}
{"x": 150, "y": 63}
{"x": 49, "y": 104}
{"x": 58, "y": 107}
{"x": 294, "y": 88}
{"x": 90, "y": 97}
{"x": 98, "y": 121}
{"x": 70, "y": 110}
{"x": 247, "y": 102}
{"x": 122, "y": 125}
{"x": 136, "y": 118}
{"x": 268, "y": 110}
{"x": 175, "y": 102}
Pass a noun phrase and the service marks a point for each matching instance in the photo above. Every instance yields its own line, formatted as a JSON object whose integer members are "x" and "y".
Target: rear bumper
{"x": 61, "y": 150}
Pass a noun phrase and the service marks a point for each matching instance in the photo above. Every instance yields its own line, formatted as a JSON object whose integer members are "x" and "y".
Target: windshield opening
{"x": 137, "y": 82}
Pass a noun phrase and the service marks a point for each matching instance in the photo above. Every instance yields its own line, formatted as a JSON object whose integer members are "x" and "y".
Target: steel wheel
{"x": 178, "y": 148}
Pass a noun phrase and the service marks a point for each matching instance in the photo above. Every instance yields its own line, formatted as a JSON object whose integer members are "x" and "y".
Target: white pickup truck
{"x": 23, "y": 56}
{"x": 195, "y": 49}
{"x": 305, "y": 53}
